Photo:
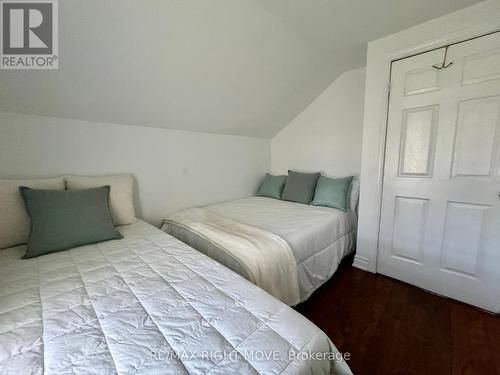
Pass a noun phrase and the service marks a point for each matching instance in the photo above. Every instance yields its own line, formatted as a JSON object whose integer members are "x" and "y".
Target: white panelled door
{"x": 440, "y": 219}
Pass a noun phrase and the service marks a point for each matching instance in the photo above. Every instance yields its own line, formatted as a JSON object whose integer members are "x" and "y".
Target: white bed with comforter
{"x": 289, "y": 249}
{"x": 148, "y": 304}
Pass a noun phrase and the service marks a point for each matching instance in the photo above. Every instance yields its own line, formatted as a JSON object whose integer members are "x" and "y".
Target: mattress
{"x": 320, "y": 237}
{"x": 148, "y": 304}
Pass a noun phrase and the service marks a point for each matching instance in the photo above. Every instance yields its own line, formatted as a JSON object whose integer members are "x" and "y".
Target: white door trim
{"x": 459, "y": 26}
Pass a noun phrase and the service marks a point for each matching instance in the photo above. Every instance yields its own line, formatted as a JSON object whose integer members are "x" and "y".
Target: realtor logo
{"x": 29, "y": 34}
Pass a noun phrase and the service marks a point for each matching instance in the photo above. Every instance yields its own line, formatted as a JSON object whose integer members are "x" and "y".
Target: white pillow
{"x": 354, "y": 195}
{"x": 14, "y": 220}
{"x": 120, "y": 195}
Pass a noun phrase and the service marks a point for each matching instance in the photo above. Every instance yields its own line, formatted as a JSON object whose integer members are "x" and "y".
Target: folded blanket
{"x": 267, "y": 258}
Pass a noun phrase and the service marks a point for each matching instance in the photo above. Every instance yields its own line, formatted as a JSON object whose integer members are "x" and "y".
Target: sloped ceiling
{"x": 243, "y": 67}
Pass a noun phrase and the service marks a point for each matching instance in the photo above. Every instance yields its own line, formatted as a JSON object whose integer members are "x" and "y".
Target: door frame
{"x": 381, "y": 55}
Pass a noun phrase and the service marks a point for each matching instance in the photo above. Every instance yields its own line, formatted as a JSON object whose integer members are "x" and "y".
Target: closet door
{"x": 440, "y": 219}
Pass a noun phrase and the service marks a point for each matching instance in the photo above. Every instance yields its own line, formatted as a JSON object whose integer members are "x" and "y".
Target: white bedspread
{"x": 147, "y": 304}
{"x": 319, "y": 237}
{"x": 267, "y": 258}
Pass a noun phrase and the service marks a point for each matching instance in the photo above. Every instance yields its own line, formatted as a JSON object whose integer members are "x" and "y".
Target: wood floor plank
{"x": 493, "y": 331}
{"x": 390, "y": 327}
{"x": 471, "y": 350}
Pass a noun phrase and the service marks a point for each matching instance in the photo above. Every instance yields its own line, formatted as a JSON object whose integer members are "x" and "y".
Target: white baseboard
{"x": 361, "y": 263}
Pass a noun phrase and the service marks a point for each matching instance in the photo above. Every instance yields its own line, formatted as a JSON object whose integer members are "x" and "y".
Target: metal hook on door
{"x": 443, "y": 65}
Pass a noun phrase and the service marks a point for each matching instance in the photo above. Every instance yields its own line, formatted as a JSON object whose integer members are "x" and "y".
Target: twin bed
{"x": 148, "y": 304}
{"x": 317, "y": 239}
{"x": 151, "y": 304}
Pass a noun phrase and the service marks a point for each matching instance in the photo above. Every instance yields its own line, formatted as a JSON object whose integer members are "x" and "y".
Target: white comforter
{"x": 267, "y": 258}
{"x": 319, "y": 237}
{"x": 147, "y": 304}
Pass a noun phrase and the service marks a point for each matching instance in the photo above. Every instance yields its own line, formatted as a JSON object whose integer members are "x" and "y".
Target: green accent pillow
{"x": 332, "y": 192}
{"x": 63, "y": 219}
{"x": 300, "y": 187}
{"x": 272, "y": 186}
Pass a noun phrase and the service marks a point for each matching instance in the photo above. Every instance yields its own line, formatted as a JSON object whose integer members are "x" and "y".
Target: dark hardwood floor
{"x": 390, "y": 327}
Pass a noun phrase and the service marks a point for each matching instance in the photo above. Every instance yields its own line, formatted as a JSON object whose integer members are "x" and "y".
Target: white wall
{"x": 466, "y": 23}
{"x": 173, "y": 169}
{"x": 326, "y": 135}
